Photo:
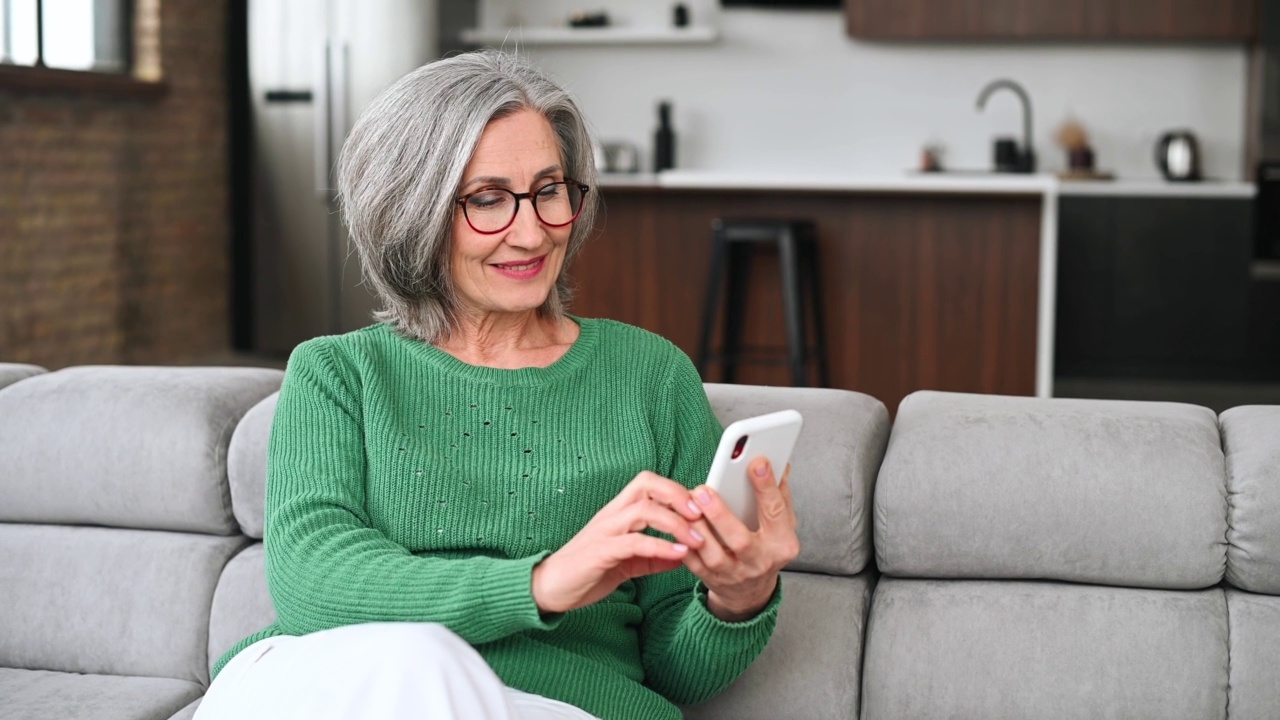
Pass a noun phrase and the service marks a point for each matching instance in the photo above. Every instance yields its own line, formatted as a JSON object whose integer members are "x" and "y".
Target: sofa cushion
{"x": 117, "y": 602}
{"x": 125, "y": 446}
{"x": 1255, "y": 655}
{"x": 811, "y": 666}
{"x": 1108, "y": 492}
{"x": 187, "y": 712}
{"x": 1010, "y": 649}
{"x": 1251, "y": 440}
{"x": 247, "y": 465}
{"x": 241, "y": 604}
{"x": 45, "y": 695}
{"x": 833, "y": 467}
{"x": 11, "y": 373}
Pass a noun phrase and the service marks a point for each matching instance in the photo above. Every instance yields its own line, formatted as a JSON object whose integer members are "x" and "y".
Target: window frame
{"x": 42, "y": 79}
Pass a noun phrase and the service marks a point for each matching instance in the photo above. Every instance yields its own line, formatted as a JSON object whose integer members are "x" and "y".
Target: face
{"x": 514, "y": 270}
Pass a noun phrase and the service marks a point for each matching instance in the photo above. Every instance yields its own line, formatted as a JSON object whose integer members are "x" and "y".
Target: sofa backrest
{"x": 833, "y": 466}
{"x": 115, "y": 518}
{"x": 1251, "y": 441}
{"x": 128, "y": 447}
{"x": 1091, "y": 491}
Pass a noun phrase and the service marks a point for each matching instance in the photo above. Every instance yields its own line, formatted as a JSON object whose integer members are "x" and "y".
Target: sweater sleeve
{"x": 689, "y": 654}
{"x": 327, "y": 566}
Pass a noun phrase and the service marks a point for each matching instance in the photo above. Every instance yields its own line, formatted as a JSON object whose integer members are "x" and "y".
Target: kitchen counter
{"x": 960, "y": 182}
{"x": 1040, "y": 188}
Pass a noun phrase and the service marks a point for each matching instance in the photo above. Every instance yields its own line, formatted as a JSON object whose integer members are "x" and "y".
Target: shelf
{"x": 591, "y": 36}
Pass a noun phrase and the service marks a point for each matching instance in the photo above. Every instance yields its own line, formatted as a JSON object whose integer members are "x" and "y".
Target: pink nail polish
{"x": 680, "y": 548}
{"x": 694, "y": 507}
{"x": 695, "y": 535}
{"x": 704, "y": 498}
{"x": 760, "y": 470}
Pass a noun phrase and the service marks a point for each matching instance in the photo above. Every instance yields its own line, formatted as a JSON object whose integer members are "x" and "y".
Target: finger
{"x": 636, "y": 545}
{"x": 733, "y": 535}
{"x": 712, "y": 554}
{"x": 785, "y": 488}
{"x": 652, "y": 486}
{"x": 647, "y": 514}
{"x": 771, "y": 505}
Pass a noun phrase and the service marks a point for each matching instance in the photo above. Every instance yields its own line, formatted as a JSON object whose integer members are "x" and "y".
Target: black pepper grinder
{"x": 664, "y": 140}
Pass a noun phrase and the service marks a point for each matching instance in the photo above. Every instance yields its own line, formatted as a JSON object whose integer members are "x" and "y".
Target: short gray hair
{"x": 401, "y": 167}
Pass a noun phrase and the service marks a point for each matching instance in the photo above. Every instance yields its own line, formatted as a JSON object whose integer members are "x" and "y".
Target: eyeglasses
{"x": 492, "y": 210}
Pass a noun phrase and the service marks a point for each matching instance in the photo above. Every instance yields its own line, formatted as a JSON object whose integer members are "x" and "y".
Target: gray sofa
{"x": 990, "y": 557}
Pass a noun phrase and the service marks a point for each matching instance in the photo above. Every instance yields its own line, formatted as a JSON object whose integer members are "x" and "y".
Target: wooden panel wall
{"x": 1159, "y": 20}
{"x": 920, "y": 292}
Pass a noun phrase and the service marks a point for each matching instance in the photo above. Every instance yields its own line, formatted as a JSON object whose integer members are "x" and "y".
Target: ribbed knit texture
{"x": 406, "y": 485}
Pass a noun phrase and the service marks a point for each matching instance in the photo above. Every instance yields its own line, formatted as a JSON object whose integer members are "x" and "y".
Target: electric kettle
{"x": 1178, "y": 156}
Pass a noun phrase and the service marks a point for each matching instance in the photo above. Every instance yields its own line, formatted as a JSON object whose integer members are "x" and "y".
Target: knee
{"x": 375, "y": 644}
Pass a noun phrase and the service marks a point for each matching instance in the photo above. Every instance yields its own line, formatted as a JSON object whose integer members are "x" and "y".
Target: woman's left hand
{"x": 740, "y": 567}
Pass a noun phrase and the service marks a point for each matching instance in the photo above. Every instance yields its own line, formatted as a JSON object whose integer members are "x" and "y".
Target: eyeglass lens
{"x": 494, "y": 209}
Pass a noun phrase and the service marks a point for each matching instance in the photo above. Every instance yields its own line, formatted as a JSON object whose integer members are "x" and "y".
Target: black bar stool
{"x": 734, "y": 243}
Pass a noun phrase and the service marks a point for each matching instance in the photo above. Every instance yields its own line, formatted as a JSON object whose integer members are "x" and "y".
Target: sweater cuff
{"x": 765, "y": 619}
{"x": 508, "y": 596}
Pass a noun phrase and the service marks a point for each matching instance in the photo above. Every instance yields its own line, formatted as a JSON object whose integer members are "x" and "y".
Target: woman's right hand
{"x": 614, "y": 548}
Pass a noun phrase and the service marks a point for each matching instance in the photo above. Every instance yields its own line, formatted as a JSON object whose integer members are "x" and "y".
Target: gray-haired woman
{"x": 481, "y": 506}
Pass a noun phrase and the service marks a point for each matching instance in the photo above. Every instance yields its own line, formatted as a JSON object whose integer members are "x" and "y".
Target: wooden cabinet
{"x": 1120, "y": 20}
{"x": 919, "y": 291}
{"x": 1153, "y": 288}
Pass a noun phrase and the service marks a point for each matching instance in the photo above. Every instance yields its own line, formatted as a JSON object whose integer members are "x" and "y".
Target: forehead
{"x": 522, "y": 138}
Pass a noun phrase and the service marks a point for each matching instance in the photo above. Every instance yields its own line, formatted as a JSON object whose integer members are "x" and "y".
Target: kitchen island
{"x": 928, "y": 282}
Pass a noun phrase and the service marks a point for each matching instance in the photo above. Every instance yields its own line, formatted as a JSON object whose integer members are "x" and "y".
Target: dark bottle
{"x": 664, "y": 140}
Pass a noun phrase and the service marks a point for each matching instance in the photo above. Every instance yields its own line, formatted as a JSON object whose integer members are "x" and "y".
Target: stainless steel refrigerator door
{"x": 291, "y": 223}
{"x": 379, "y": 48}
{"x": 341, "y": 52}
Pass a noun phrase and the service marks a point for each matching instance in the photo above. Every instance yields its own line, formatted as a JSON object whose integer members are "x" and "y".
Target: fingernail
{"x": 760, "y": 470}
{"x": 694, "y": 507}
{"x": 704, "y": 498}
{"x": 680, "y": 548}
{"x": 695, "y": 535}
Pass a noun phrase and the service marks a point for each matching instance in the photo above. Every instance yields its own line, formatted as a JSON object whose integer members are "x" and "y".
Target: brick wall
{"x": 114, "y": 228}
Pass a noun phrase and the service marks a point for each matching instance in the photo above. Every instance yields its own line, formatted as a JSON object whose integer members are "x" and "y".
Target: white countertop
{"x": 968, "y": 183}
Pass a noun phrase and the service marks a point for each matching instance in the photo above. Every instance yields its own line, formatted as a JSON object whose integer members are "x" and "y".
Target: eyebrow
{"x": 496, "y": 180}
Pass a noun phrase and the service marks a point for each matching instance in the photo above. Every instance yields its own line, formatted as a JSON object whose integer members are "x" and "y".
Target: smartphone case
{"x": 773, "y": 436}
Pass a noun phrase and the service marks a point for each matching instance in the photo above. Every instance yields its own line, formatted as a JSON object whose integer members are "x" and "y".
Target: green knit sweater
{"x": 406, "y": 485}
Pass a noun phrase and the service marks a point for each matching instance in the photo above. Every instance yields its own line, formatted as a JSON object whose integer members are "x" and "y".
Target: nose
{"x": 526, "y": 230}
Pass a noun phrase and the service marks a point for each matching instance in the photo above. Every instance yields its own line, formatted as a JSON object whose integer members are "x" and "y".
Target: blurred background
{"x": 1053, "y": 197}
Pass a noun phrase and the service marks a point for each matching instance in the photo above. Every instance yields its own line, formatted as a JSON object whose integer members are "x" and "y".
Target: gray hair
{"x": 401, "y": 167}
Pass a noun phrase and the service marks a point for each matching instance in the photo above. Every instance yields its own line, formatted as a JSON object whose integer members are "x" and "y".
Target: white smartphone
{"x": 773, "y": 436}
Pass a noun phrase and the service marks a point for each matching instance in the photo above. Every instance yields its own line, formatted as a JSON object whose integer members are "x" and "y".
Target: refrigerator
{"x": 312, "y": 66}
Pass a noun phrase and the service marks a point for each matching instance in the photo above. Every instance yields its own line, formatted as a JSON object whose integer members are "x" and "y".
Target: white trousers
{"x": 375, "y": 671}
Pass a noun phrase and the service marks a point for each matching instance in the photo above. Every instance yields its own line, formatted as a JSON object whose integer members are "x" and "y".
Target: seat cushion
{"x": 133, "y": 447}
{"x": 187, "y": 712}
{"x": 1251, "y": 440}
{"x": 241, "y": 604}
{"x": 1255, "y": 655}
{"x": 811, "y": 667}
{"x": 1093, "y": 491}
{"x": 45, "y": 695}
{"x": 109, "y": 601}
{"x": 833, "y": 466}
{"x": 1009, "y": 649}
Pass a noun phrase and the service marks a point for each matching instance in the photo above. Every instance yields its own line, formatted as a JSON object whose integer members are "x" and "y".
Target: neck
{"x": 509, "y": 340}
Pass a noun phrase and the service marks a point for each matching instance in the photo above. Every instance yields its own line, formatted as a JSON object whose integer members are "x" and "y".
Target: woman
{"x": 481, "y": 506}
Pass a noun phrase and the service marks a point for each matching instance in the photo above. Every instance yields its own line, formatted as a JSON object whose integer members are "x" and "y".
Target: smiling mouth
{"x": 521, "y": 269}
{"x": 521, "y": 266}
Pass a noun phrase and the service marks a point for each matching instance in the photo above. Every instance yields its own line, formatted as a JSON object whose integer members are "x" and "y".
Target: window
{"x": 84, "y": 35}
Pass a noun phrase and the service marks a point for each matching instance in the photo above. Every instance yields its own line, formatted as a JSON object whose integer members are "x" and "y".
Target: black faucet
{"x": 1008, "y": 157}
